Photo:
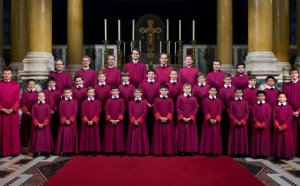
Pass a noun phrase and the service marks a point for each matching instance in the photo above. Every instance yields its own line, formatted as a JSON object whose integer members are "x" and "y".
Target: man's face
{"x": 111, "y": 61}
{"x": 59, "y": 66}
{"x": 7, "y": 74}
{"x": 135, "y": 55}
{"x": 216, "y": 65}
{"x": 86, "y": 62}
{"x": 240, "y": 69}
{"x": 163, "y": 59}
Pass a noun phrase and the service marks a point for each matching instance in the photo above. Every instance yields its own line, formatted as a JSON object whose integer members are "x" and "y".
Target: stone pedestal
{"x": 284, "y": 68}
{"x": 72, "y": 68}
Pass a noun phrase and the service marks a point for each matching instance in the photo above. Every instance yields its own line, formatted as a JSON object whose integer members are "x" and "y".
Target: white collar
{"x": 163, "y": 65}
{"x": 242, "y": 74}
{"x": 238, "y": 99}
{"x": 85, "y": 68}
{"x": 115, "y": 97}
{"x": 30, "y": 90}
{"x": 281, "y": 104}
{"x": 110, "y": 67}
{"x": 272, "y": 87}
{"x": 150, "y": 80}
{"x": 203, "y": 84}
{"x": 187, "y": 95}
{"x": 68, "y": 98}
{"x": 227, "y": 86}
{"x": 137, "y": 99}
{"x": 79, "y": 86}
{"x": 295, "y": 81}
{"x": 135, "y": 61}
{"x": 173, "y": 81}
{"x": 161, "y": 96}
{"x": 41, "y": 102}
{"x": 7, "y": 80}
{"x": 91, "y": 99}
{"x": 261, "y": 102}
{"x": 250, "y": 86}
{"x": 212, "y": 97}
{"x": 49, "y": 88}
{"x": 101, "y": 83}
{"x": 123, "y": 83}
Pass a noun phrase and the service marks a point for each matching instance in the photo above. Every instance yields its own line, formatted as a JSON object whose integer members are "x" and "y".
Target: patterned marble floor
{"x": 28, "y": 171}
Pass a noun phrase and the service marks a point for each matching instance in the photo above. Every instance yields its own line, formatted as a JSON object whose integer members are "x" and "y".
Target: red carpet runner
{"x": 152, "y": 171}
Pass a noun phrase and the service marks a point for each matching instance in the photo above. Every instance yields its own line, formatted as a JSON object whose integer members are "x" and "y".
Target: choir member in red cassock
{"x": 186, "y": 129}
{"x": 238, "y": 129}
{"x": 112, "y": 73}
{"x": 163, "y": 70}
{"x": 67, "y": 138}
{"x": 249, "y": 93}
{"x": 126, "y": 89}
{"x": 211, "y": 140}
{"x": 136, "y": 69}
{"x": 29, "y": 98}
{"x": 175, "y": 88}
{"x": 90, "y": 133}
{"x": 40, "y": 136}
{"x": 89, "y": 75}
{"x": 240, "y": 79}
{"x": 188, "y": 74}
{"x": 215, "y": 78}
{"x": 137, "y": 138}
{"x": 163, "y": 140}
{"x": 62, "y": 78}
{"x": 260, "y": 135}
{"x": 271, "y": 91}
{"x": 9, "y": 116}
{"x": 283, "y": 143}
{"x": 113, "y": 141}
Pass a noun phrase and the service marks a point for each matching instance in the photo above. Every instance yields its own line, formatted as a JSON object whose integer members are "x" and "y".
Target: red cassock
{"x": 292, "y": 92}
{"x": 249, "y": 95}
{"x": 216, "y": 79}
{"x": 90, "y": 134}
{"x": 113, "y": 140}
{"x": 226, "y": 95}
{"x": 188, "y": 75}
{"x": 40, "y": 138}
{"x": 271, "y": 96}
{"x": 150, "y": 91}
{"x": 79, "y": 94}
{"x": 211, "y": 140}
{"x": 137, "y": 138}
{"x": 113, "y": 76}
{"x": 102, "y": 93}
{"x": 186, "y": 132}
{"x": 261, "y": 138}
{"x": 137, "y": 72}
{"x": 63, "y": 79}
{"x": 126, "y": 92}
{"x": 163, "y": 74}
{"x": 67, "y": 138}
{"x": 89, "y": 76}
{"x": 200, "y": 92}
{"x": 283, "y": 143}
{"x": 29, "y": 98}
{"x": 163, "y": 140}
{"x": 9, "y": 123}
{"x": 240, "y": 81}
{"x": 238, "y": 135}
{"x": 175, "y": 89}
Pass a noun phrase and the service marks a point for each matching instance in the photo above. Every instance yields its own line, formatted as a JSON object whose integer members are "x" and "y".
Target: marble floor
{"x": 28, "y": 171}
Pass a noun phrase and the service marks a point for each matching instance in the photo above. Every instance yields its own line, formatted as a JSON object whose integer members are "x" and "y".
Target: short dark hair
{"x": 260, "y": 92}
{"x": 164, "y": 86}
{"x": 30, "y": 80}
{"x": 270, "y": 77}
{"x": 240, "y": 64}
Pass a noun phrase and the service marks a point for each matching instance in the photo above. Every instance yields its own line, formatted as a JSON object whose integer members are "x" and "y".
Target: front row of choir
{"x": 174, "y": 129}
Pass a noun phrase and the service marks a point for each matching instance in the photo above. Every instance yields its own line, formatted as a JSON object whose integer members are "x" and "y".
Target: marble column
{"x": 260, "y": 60}
{"x": 224, "y": 34}
{"x": 18, "y": 35}
{"x": 39, "y": 60}
{"x": 281, "y": 37}
{"x": 297, "y": 62}
{"x": 2, "y": 62}
{"x": 75, "y": 35}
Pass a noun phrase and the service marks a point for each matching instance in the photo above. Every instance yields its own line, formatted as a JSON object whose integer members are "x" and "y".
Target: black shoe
{"x": 121, "y": 153}
{"x": 35, "y": 155}
{"x": 47, "y": 155}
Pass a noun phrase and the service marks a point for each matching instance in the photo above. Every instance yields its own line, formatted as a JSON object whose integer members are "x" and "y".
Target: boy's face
{"x": 281, "y": 98}
{"x": 125, "y": 78}
{"x": 240, "y": 69}
{"x": 163, "y": 59}
{"x": 135, "y": 55}
{"x": 110, "y": 60}
{"x": 138, "y": 93}
{"x": 238, "y": 93}
{"x": 31, "y": 85}
{"x": 212, "y": 92}
{"x": 164, "y": 91}
{"x": 227, "y": 80}
{"x": 51, "y": 84}
{"x": 270, "y": 82}
{"x": 114, "y": 92}
{"x": 294, "y": 75}
{"x": 187, "y": 89}
{"x": 91, "y": 93}
{"x": 173, "y": 75}
{"x": 151, "y": 75}
{"x": 188, "y": 61}
{"x": 67, "y": 93}
{"x": 41, "y": 96}
{"x": 101, "y": 78}
{"x": 85, "y": 62}
{"x": 78, "y": 81}
{"x": 201, "y": 79}
{"x": 261, "y": 97}
{"x": 252, "y": 82}
{"x": 216, "y": 66}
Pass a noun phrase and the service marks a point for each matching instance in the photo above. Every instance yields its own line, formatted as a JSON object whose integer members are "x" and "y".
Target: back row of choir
{"x": 245, "y": 108}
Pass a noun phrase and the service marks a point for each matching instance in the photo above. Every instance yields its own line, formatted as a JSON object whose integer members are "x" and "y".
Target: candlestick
{"x": 140, "y": 46}
{"x": 175, "y": 48}
{"x": 167, "y": 37}
{"x": 193, "y": 38}
{"x": 133, "y": 25}
{"x": 160, "y": 47}
{"x": 119, "y": 30}
{"x": 124, "y": 48}
{"x": 105, "y": 30}
{"x": 179, "y": 30}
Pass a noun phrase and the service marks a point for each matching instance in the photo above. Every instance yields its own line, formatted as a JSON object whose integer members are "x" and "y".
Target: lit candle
{"x": 159, "y": 46}
{"x": 124, "y": 48}
{"x": 105, "y": 30}
{"x": 133, "y": 25}
{"x": 140, "y": 45}
{"x": 179, "y": 31}
{"x": 175, "y": 48}
{"x": 167, "y": 37}
{"x": 119, "y": 30}
{"x": 193, "y": 30}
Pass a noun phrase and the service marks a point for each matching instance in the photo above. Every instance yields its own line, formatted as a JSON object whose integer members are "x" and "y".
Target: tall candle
{"x": 175, "y": 48}
{"x": 140, "y": 45}
{"x": 179, "y": 30}
{"x": 159, "y": 46}
{"x": 105, "y": 30}
{"x": 167, "y": 37}
{"x": 193, "y": 30}
{"x": 133, "y": 25}
{"x": 124, "y": 48}
{"x": 119, "y": 30}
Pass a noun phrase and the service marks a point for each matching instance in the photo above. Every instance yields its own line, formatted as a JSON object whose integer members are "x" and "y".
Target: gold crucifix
{"x": 150, "y": 31}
